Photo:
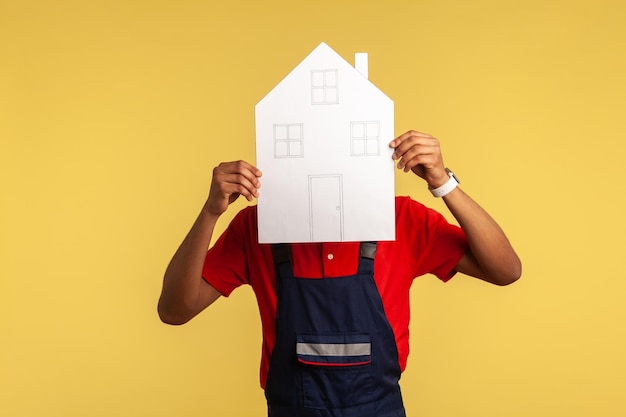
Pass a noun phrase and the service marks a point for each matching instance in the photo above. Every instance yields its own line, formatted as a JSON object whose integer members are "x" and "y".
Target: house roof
{"x": 324, "y": 57}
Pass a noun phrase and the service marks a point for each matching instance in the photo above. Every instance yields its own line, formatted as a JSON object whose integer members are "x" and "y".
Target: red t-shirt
{"x": 425, "y": 243}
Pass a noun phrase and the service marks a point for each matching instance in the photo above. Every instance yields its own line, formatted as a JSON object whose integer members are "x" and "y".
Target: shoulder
{"x": 239, "y": 237}
{"x": 407, "y": 207}
{"x": 414, "y": 217}
{"x": 245, "y": 218}
{"x": 249, "y": 211}
{"x": 404, "y": 203}
{"x": 241, "y": 228}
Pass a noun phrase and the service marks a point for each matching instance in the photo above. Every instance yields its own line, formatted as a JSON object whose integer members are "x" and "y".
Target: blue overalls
{"x": 335, "y": 353}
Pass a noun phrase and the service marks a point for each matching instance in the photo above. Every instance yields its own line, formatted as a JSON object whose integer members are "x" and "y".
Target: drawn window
{"x": 365, "y": 138}
{"x": 288, "y": 141}
{"x": 324, "y": 88}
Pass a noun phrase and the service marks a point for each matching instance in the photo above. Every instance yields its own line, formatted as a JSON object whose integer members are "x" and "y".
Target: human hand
{"x": 420, "y": 153}
{"x": 230, "y": 180}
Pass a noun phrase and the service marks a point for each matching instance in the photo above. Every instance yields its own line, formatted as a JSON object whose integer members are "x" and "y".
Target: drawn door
{"x": 326, "y": 209}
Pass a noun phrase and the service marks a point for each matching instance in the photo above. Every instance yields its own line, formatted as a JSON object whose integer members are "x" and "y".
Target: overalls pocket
{"x": 335, "y": 368}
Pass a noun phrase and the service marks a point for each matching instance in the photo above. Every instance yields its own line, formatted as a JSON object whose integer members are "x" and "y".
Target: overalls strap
{"x": 282, "y": 252}
{"x": 335, "y": 353}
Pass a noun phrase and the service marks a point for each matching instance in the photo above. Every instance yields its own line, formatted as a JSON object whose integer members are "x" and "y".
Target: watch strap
{"x": 446, "y": 188}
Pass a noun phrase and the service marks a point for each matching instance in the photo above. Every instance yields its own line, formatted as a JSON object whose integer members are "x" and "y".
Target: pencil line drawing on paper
{"x": 326, "y": 208}
{"x": 321, "y": 143}
{"x": 365, "y": 138}
{"x": 324, "y": 87}
{"x": 288, "y": 140}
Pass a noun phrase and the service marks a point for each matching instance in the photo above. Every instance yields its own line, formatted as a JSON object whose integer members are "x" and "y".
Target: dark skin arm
{"x": 490, "y": 256}
{"x": 185, "y": 293}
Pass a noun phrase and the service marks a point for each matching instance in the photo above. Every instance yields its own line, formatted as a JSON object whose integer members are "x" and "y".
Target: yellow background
{"x": 113, "y": 113}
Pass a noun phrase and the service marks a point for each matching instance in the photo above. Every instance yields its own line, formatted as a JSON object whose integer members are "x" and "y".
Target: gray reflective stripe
{"x": 333, "y": 349}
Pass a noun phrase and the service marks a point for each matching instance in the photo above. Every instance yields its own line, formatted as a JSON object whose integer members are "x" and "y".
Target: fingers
{"x": 408, "y": 135}
{"x": 420, "y": 153}
{"x": 238, "y": 177}
{"x": 415, "y": 148}
{"x": 230, "y": 180}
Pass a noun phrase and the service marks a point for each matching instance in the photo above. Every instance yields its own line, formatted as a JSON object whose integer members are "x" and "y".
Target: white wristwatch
{"x": 450, "y": 185}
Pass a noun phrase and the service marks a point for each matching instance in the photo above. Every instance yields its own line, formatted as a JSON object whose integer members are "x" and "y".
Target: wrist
{"x": 439, "y": 180}
{"x": 445, "y": 187}
{"x": 212, "y": 210}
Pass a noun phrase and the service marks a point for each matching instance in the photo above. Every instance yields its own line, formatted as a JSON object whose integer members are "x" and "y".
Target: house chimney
{"x": 360, "y": 63}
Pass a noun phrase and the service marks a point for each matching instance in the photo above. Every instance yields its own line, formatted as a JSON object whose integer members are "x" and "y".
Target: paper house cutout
{"x": 322, "y": 138}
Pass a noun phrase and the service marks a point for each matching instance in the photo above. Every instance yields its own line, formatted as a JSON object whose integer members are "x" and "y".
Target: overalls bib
{"x": 335, "y": 353}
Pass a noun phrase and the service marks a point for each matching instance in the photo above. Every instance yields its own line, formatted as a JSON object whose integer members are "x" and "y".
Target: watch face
{"x": 451, "y": 174}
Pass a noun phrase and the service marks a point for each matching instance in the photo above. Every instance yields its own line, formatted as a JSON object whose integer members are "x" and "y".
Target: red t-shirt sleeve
{"x": 435, "y": 245}
{"x": 450, "y": 240}
{"x": 226, "y": 264}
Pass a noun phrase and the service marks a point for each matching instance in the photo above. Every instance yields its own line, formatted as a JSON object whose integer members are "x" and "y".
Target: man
{"x": 335, "y": 315}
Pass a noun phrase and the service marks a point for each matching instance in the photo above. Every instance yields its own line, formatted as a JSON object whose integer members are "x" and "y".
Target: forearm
{"x": 182, "y": 284}
{"x": 184, "y": 292}
{"x": 490, "y": 256}
{"x": 490, "y": 249}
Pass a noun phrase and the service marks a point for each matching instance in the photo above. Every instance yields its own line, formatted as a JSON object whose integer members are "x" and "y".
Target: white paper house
{"x": 322, "y": 143}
